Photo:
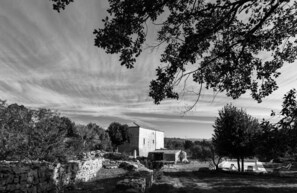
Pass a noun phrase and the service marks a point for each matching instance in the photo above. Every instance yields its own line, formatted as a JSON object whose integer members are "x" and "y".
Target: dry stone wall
{"x": 39, "y": 177}
{"x": 26, "y": 177}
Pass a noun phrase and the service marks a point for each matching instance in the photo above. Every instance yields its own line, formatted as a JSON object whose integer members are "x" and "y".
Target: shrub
{"x": 116, "y": 156}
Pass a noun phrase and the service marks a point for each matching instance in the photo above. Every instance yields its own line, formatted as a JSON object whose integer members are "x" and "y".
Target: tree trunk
{"x": 242, "y": 164}
{"x": 216, "y": 164}
{"x": 238, "y": 164}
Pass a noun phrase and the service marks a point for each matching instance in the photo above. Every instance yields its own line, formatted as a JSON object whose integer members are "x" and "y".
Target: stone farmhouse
{"x": 142, "y": 140}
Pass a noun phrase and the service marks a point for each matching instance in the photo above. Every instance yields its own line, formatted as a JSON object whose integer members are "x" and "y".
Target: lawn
{"x": 201, "y": 182}
{"x": 186, "y": 178}
{"x": 194, "y": 165}
{"x": 215, "y": 182}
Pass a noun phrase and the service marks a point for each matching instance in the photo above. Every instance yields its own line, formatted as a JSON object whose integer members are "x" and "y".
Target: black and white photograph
{"x": 148, "y": 96}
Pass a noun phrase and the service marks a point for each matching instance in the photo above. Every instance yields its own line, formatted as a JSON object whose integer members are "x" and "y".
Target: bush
{"x": 116, "y": 156}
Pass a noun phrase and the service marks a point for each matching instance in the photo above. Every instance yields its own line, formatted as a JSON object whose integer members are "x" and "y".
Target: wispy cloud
{"x": 48, "y": 60}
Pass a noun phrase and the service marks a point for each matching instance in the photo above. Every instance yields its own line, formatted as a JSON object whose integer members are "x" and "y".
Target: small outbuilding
{"x": 166, "y": 155}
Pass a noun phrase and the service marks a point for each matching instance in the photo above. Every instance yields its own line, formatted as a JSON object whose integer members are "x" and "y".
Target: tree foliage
{"x": 288, "y": 122}
{"x": 58, "y": 5}
{"x": 46, "y": 139}
{"x": 31, "y": 134}
{"x": 93, "y": 137}
{"x": 235, "y": 133}
{"x": 205, "y": 151}
{"x": 279, "y": 140}
{"x": 174, "y": 143}
{"x": 200, "y": 152}
{"x": 188, "y": 144}
{"x": 220, "y": 44}
{"x": 15, "y": 122}
{"x": 118, "y": 134}
{"x": 271, "y": 142}
{"x": 43, "y": 134}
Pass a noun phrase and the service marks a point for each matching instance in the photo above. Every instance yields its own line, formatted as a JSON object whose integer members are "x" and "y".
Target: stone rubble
{"x": 46, "y": 177}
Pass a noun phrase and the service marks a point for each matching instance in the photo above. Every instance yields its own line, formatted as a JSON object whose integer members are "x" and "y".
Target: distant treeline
{"x": 200, "y": 149}
{"x": 183, "y": 144}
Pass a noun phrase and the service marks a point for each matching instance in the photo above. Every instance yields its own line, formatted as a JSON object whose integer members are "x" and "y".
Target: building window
{"x": 143, "y": 141}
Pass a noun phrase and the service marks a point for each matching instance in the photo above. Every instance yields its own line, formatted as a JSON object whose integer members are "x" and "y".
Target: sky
{"x": 48, "y": 60}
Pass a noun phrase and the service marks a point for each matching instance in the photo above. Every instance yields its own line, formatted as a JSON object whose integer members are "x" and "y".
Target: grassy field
{"x": 181, "y": 167}
{"x": 215, "y": 182}
{"x": 186, "y": 178}
{"x": 201, "y": 182}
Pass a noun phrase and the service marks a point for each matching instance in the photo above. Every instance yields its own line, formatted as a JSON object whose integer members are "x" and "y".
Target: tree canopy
{"x": 43, "y": 134}
{"x": 271, "y": 142}
{"x": 235, "y": 133}
{"x": 31, "y": 134}
{"x": 93, "y": 137}
{"x": 279, "y": 140}
{"x": 118, "y": 134}
{"x": 222, "y": 45}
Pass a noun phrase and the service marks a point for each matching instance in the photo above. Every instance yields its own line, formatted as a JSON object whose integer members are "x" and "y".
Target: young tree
{"x": 205, "y": 151}
{"x": 235, "y": 133}
{"x": 118, "y": 134}
{"x": 217, "y": 43}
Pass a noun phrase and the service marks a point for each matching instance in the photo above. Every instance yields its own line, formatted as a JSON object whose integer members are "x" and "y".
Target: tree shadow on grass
{"x": 212, "y": 182}
{"x": 166, "y": 188}
{"x": 102, "y": 186}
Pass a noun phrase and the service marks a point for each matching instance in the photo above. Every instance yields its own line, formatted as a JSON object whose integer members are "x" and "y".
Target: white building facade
{"x": 143, "y": 140}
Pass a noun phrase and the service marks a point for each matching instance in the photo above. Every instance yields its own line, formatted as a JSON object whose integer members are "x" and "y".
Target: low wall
{"x": 26, "y": 177}
{"x": 39, "y": 177}
{"x": 77, "y": 171}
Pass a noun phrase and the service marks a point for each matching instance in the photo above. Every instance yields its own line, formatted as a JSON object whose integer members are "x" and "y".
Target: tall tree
{"x": 288, "y": 122}
{"x": 271, "y": 142}
{"x": 235, "y": 133}
{"x": 118, "y": 134}
{"x": 220, "y": 44}
{"x": 46, "y": 139}
{"x": 15, "y": 122}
